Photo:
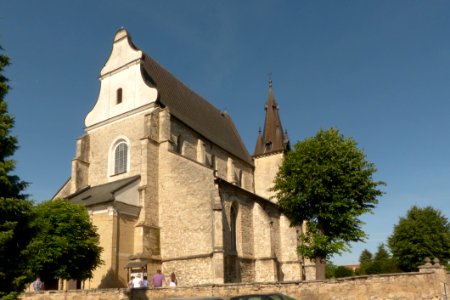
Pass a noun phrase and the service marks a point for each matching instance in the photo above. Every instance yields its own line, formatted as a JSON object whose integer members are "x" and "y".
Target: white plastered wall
{"x": 121, "y": 71}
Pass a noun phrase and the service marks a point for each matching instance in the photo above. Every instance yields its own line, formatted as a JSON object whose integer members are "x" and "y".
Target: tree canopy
{"x": 327, "y": 182}
{"x": 332, "y": 271}
{"x": 381, "y": 263}
{"x": 365, "y": 257}
{"x": 10, "y": 185}
{"x": 54, "y": 239}
{"x": 15, "y": 234}
{"x": 66, "y": 244}
{"x": 424, "y": 232}
{"x": 15, "y": 216}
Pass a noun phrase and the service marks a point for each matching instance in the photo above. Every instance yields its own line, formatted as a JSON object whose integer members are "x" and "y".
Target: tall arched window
{"x": 120, "y": 158}
{"x": 233, "y": 221}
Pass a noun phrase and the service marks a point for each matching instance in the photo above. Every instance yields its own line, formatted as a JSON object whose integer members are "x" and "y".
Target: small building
{"x": 170, "y": 185}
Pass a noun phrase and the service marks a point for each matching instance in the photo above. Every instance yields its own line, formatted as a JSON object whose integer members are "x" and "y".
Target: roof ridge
{"x": 194, "y": 110}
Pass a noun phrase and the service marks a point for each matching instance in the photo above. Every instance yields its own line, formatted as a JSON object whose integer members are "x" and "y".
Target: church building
{"x": 170, "y": 185}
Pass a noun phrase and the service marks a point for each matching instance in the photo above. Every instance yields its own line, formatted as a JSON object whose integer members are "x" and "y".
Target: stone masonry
{"x": 170, "y": 185}
{"x": 428, "y": 284}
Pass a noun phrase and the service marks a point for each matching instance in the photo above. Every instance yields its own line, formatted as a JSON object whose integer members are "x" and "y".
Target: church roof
{"x": 101, "y": 193}
{"x": 273, "y": 139}
{"x": 193, "y": 110}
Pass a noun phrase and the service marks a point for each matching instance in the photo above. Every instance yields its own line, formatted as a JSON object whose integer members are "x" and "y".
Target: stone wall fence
{"x": 430, "y": 283}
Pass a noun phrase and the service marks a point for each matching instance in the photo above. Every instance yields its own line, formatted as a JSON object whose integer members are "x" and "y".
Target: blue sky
{"x": 379, "y": 71}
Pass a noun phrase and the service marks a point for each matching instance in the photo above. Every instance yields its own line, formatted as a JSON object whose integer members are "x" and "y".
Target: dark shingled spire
{"x": 273, "y": 138}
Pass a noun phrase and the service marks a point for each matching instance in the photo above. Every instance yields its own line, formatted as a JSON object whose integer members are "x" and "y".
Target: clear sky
{"x": 379, "y": 71}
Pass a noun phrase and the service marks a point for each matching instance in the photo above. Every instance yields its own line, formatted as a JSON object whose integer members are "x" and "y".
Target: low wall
{"x": 410, "y": 286}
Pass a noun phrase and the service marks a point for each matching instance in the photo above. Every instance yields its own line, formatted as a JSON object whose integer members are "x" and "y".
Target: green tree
{"x": 382, "y": 263}
{"x": 424, "y": 232}
{"x": 15, "y": 234}
{"x": 365, "y": 257}
{"x": 15, "y": 215}
{"x": 343, "y": 271}
{"x": 10, "y": 185}
{"x": 330, "y": 270}
{"x": 66, "y": 245}
{"x": 333, "y": 271}
{"x": 327, "y": 182}
{"x": 365, "y": 260}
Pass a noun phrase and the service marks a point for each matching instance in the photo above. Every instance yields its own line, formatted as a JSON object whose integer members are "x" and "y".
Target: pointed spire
{"x": 273, "y": 139}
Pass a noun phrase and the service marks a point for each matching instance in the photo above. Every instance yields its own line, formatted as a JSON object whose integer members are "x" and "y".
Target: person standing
{"x": 173, "y": 280}
{"x": 130, "y": 283}
{"x": 137, "y": 281}
{"x": 158, "y": 279}
{"x": 38, "y": 284}
{"x": 145, "y": 282}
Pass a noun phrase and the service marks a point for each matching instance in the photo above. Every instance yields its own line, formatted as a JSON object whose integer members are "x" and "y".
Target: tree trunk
{"x": 320, "y": 268}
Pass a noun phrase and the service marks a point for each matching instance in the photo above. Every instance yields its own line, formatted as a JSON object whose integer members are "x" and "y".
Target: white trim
{"x": 149, "y": 108}
{"x": 100, "y": 211}
{"x": 121, "y": 68}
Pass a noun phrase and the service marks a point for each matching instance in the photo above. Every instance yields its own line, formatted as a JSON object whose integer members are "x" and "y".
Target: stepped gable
{"x": 273, "y": 139}
{"x": 193, "y": 110}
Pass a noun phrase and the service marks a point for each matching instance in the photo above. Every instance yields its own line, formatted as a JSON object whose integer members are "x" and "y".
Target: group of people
{"x": 158, "y": 280}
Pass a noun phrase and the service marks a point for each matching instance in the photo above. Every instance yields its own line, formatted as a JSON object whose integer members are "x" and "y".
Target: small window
{"x": 179, "y": 147}
{"x": 239, "y": 179}
{"x": 120, "y": 158}
{"x": 233, "y": 221}
{"x": 213, "y": 161}
{"x": 119, "y": 96}
{"x": 268, "y": 146}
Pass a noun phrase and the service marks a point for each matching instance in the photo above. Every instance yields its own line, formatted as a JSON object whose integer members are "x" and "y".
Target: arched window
{"x": 120, "y": 158}
{"x": 233, "y": 221}
{"x": 119, "y": 96}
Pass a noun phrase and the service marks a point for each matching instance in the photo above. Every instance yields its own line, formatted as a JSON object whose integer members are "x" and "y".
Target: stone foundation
{"x": 407, "y": 286}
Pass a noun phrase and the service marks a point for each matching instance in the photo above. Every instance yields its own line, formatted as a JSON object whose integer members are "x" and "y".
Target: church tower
{"x": 271, "y": 145}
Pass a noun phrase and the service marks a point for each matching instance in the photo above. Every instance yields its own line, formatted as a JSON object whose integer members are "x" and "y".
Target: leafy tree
{"x": 343, "y": 271}
{"x": 326, "y": 182}
{"x": 382, "y": 263}
{"x": 14, "y": 209}
{"x": 66, "y": 245}
{"x": 330, "y": 270}
{"x": 333, "y": 271}
{"x": 424, "y": 232}
{"x": 15, "y": 234}
{"x": 10, "y": 185}
{"x": 365, "y": 257}
{"x": 365, "y": 261}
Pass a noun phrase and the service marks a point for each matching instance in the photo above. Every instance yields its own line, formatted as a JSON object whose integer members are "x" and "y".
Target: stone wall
{"x": 408, "y": 286}
{"x": 260, "y": 232}
{"x": 102, "y": 140}
{"x": 195, "y": 147}
{"x": 266, "y": 168}
{"x": 186, "y": 218}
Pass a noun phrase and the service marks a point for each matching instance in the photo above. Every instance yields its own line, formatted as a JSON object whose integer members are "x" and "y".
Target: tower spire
{"x": 273, "y": 138}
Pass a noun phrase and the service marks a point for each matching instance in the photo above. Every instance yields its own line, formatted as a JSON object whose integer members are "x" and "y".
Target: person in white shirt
{"x": 137, "y": 281}
{"x": 173, "y": 280}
